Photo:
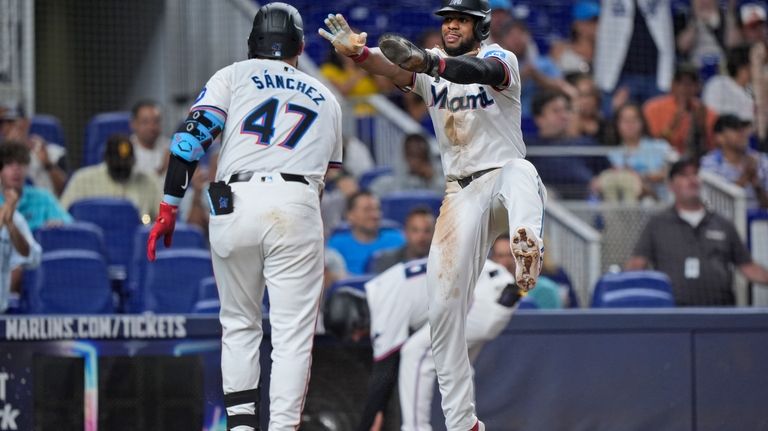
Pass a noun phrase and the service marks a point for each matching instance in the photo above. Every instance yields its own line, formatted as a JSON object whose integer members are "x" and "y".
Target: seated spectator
{"x": 537, "y": 72}
{"x": 18, "y": 248}
{"x": 546, "y": 293}
{"x": 48, "y": 164}
{"x": 588, "y": 120}
{"x": 150, "y": 147}
{"x": 352, "y": 81}
{"x": 340, "y": 185}
{"x": 335, "y": 268}
{"x": 501, "y": 14}
{"x": 694, "y": 246}
{"x": 680, "y": 117}
{"x": 736, "y": 162}
{"x": 731, "y": 93}
{"x": 115, "y": 177}
{"x": 421, "y": 170}
{"x": 570, "y": 175}
{"x": 365, "y": 235}
{"x": 38, "y": 205}
{"x": 639, "y": 155}
{"x": 419, "y": 228}
{"x": 357, "y": 156}
{"x": 575, "y": 55}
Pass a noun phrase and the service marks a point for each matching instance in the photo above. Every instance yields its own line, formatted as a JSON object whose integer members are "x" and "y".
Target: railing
{"x": 726, "y": 199}
{"x": 575, "y": 246}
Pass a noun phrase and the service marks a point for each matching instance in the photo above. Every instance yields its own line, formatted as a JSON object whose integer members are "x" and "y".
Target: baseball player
{"x": 472, "y": 91}
{"x": 281, "y": 131}
{"x": 394, "y": 311}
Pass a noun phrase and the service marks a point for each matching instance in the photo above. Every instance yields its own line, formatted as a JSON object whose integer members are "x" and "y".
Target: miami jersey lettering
{"x": 477, "y": 126}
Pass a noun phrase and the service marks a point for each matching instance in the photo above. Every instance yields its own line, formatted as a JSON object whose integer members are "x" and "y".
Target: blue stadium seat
{"x": 118, "y": 218}
{"x": 397, "y": 205}
{"x": 71, "y": 281}
{"x": 370, "y": 175}
{"x": 184, "y": 236}
{"x": 207, "y": 297}
{"x": 173, "y": 280}
{"x": 638, "y": 289}
{"x": 355, "y": 282}
{"x": 99, "y": 129}
{"x": 48, "y": 127}
{"x": 81, "y": 235}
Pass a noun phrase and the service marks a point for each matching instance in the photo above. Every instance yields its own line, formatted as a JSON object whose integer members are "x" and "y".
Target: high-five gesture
{"x": 346, "y": 41}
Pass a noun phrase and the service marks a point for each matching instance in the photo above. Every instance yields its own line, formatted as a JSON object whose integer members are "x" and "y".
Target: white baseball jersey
{"x": 477, "y": 126}
{"x": 397, "y": 299}
{"x": 273, "y": 135}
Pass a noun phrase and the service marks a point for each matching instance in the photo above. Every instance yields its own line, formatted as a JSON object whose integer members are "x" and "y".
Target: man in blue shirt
{"x": 365, "y": 235}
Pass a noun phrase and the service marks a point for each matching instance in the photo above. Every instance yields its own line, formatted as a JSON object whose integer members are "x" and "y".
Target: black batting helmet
{"x": 480, "y": 9}
{"x": 346, "y": 310}
{"x": 277, "y": 32}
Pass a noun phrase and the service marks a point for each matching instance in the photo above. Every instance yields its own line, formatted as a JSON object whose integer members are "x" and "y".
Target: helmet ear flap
{"x": 482, "y": 28}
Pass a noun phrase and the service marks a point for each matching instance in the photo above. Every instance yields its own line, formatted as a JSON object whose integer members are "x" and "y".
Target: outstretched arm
{"x": 351, "y": 44}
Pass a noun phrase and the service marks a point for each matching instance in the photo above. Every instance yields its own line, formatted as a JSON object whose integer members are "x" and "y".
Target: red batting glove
{"x": 163, "y": 227}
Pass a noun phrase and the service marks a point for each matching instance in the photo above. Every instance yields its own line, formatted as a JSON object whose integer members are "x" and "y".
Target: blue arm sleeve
{"x": 197, "y": 133}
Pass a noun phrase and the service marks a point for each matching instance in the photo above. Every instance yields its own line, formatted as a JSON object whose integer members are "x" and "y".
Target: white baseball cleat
{"x": 525, "y": 250}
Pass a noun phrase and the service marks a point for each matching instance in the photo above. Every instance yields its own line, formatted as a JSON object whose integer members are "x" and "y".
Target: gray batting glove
{"x": 344, "y": 40}
{"x": 405, "y": 54}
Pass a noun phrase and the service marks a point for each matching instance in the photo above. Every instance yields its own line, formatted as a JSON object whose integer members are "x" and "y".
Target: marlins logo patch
{"x": 495, "y": 53}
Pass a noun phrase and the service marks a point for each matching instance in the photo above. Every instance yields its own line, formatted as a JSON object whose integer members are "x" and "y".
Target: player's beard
{"x": 464, "y": 47}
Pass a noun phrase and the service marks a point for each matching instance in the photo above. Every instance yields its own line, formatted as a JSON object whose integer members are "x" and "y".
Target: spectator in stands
{"x": 149, "y": 145}
{"x": 754, "y": 23}
{"x": 357, "y": 156}
{"x": 340, "y": 185}
{"x": 116, "y": 177}
{"x": 501, "y": 14}
{"x": 731, "y": 93}
{"x": 48, "y": 164}
{"x": 758, "y": 59}
{"x": 635, "y": 48}
{"x": 352, "y": 81}
{"x": 639, "y": 157}
{"x": 546, "y": 293}
{"x": 537, "y": 72}
{"x": 588, "y": 120}
{"x": 419, "y": 228}
{"x": 18, "y": 248}
{"x": 365, "y": 235}
{"x": 705, "y": 31}
{"x": 412, "y": 103}
{"x": 736, "y": 162}
{"x": 422, "y": 172}
{"x": 335, "y": 268}
{"x": 694, "y": 246}
{"x": 38, "y": 206}
{"x": 570, "y": 175}
{"x": 680, "y": 117}
{"x": 576, "y": 54}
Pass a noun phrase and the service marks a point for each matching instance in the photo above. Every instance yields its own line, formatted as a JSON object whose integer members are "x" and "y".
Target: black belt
{"x": 246, "y": 176}
{"x": 464, "y": 182}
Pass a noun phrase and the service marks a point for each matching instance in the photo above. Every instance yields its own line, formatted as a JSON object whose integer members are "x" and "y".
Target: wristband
{"x": 359, "y": 58}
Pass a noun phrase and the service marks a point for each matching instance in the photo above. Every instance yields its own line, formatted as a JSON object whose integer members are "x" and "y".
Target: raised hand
{"x": 344, "y": 40}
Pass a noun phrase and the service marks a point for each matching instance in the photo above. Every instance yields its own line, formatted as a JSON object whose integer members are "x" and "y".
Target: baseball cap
{"x": 730, "y": 121}
{"x": 752, "y": 13}
{"x": 119, "y": 147}
{"x": 585, "y": 10}
{"x": 686, "y": 69}
{"x": 679, "y": 166}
